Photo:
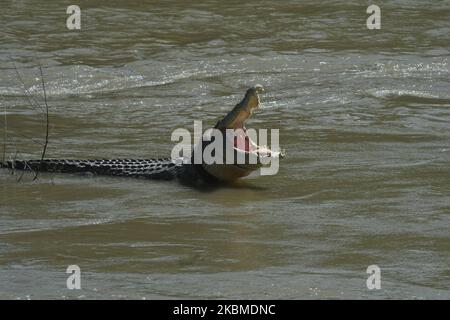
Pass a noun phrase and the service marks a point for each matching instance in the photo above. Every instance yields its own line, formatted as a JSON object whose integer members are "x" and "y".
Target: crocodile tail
{"x": 160, "y": 169}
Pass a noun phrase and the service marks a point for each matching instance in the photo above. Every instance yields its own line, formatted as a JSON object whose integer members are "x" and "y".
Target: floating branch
{"x": 7, "y": 134}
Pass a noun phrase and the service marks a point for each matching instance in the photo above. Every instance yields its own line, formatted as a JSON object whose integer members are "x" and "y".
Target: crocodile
{"x": 157, "y": 169}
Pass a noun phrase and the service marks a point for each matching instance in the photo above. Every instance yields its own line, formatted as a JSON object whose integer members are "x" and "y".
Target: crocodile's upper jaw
{"x": 250, "y": 102}
{"x": 236, "y": 118}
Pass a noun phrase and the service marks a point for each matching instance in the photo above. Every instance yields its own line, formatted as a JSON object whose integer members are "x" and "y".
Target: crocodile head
{"x": 236, "y": 118}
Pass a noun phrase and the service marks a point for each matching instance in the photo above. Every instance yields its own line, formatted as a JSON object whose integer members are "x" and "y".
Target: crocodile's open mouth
{"x": 244, "y": 143}
{"x": 237, "y": 117}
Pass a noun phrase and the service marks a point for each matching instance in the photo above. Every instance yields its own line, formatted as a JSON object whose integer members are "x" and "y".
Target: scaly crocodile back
{"x": 160, "y": 169}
